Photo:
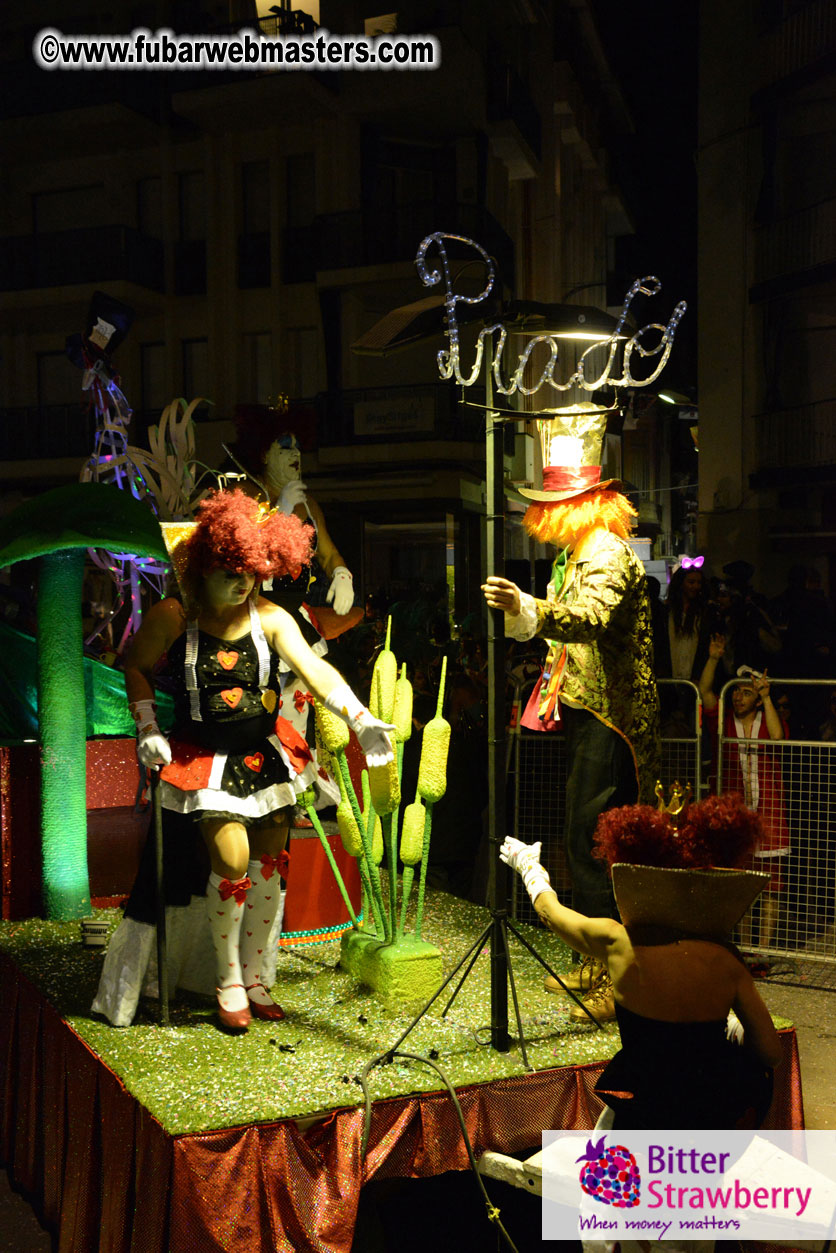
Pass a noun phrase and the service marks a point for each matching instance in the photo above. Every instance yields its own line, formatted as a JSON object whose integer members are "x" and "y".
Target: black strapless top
{"x": 682, "y": 1075}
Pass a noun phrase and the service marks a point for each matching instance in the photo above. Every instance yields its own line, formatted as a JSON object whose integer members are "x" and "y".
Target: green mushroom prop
{"x": 58, "y": 527}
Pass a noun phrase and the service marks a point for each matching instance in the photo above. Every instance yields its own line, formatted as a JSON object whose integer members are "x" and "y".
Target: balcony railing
{"x": 798, "y": 40}
{"x": 382, "y": 234}
{"x": 509, "y": 99}
{"x": 795, "y": 244}
{"x": 87, "y": 255}
{"x": 793, "y": 438}
{"x": 48, "y": 432}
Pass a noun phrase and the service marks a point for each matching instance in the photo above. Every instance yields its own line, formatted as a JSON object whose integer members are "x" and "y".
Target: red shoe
{"x": 267, "y": 1013}
{"x": 233, "y": 1021}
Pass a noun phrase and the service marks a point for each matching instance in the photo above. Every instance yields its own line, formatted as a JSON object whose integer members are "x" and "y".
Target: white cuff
{"x": 523, "y": 625}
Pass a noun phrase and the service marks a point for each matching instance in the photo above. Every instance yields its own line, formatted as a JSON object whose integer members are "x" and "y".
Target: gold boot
{"x": 583, "y": 977}
{"x": 600, "y": 1002}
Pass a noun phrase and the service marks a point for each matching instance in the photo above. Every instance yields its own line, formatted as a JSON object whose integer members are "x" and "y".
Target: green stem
{"x": 62, "y": 720}
{"x": 425, "y": 852}
{"x": 408, "y": 876}
{"x": 323, "y": 839}
{"x": 374, "y": 877}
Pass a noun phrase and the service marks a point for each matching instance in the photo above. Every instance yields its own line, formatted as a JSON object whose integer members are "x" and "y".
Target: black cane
{"x": 159, "y": 882}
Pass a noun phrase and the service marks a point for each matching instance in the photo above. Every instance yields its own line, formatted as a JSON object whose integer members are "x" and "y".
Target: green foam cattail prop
{"x": 416, "y": 824}
{"x": 432, "y": 781}
{"x": 402, "y": 709}
{"x": 333, "y": 729}
{"x": 385, "y": 787}
{"x": 432, "y": 772}
{"x": 384, "y": 678}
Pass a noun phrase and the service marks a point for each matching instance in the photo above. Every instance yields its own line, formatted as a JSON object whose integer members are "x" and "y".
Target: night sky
{"x": 653, "y": 49}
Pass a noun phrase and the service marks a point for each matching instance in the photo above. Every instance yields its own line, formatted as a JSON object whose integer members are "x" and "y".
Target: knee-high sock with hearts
{"x": 225, "y": 900}
{"x": 262, "y": 904}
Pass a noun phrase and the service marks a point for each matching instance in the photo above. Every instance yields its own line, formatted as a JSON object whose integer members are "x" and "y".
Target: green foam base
{"x": 402, "y": 973}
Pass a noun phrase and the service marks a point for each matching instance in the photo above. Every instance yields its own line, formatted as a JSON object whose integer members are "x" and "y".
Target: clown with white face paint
{"x": 268, "y": 449}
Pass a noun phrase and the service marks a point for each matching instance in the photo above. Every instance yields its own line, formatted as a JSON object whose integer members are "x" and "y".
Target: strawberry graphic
{"x": 610, "y": 1175}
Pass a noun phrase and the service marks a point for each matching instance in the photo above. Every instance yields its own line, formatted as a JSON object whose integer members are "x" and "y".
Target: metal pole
{"x": 497, "y": 874}
{"x": 159, "y": 883}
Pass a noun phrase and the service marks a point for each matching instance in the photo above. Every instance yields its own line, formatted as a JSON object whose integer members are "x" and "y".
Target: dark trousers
{"x": 601, "y": 776}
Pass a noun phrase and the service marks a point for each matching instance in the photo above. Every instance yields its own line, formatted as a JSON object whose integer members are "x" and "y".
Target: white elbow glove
{"x": 370, "y": 731}
{"x": 341, "y": 591}
{"x": 525, "y": 859}
{"x": 293, "y": 494}
{"x": 152, "y": 748}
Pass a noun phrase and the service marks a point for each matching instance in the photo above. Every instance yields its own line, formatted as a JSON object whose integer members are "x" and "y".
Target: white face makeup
{"x": 282, "y": 465}
{"x": 223, "y": 588}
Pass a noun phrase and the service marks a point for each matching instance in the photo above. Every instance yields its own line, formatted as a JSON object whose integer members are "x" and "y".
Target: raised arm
{"x": 773, "y": 719}
{"x": 326, "y": 683}
{"x": 593, "y": 937}
{"x": 341, "y": 590}
{"x": 716, "y": 648}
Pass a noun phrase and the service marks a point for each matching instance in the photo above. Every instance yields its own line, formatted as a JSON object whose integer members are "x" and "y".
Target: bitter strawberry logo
{"x": 610, "y": 1175}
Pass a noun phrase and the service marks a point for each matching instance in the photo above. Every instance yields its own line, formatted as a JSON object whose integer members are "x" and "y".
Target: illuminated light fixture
{"x": 672, "y": 397}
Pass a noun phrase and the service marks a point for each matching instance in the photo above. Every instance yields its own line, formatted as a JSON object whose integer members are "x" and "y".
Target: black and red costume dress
{"x": 233, "y": 754}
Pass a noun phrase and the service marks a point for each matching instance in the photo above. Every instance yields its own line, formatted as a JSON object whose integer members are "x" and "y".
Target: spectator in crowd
{"x": 686, "y": 619}
{"x": 755, "y": 774}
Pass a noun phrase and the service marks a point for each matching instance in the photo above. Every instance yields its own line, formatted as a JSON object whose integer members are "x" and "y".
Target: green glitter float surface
{"x": 192, "y": 1078}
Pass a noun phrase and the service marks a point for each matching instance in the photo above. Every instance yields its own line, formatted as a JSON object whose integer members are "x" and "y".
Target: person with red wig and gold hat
{"x": 232, "y": 762}
{"x": 685, "y": 1001}
{"x": 598, "y": 681}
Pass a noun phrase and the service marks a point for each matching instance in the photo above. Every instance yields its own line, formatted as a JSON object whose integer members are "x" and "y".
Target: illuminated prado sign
{"x": 587, "y": 375}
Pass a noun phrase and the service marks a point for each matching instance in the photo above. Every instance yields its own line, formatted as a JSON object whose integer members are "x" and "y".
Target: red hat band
{"x": 570, "y": 478}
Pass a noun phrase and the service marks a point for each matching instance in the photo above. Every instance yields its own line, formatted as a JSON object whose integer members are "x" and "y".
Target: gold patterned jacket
{"x": 602, "y": 615}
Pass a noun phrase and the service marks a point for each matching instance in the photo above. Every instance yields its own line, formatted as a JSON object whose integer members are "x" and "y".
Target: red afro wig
{"x": 637, "y": 834}
{"x": 563, "y": 522}
{"x": 719, "y": 831}
{"x": 234, "y": 532}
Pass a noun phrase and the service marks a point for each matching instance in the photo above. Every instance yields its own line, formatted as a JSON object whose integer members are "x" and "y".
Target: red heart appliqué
{"x": 227, "y": 660}
{"x": 232, "y": 695}
{"x": 254, "y": 762}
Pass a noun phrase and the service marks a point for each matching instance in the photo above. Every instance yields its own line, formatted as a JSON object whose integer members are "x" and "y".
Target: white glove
{"x": 293, "y": 494}
{"x": 370, "y": 731}
{"x": 734, "y": 1028}
{"x": 341, "y": 591}
{"x": 525, "y": 859}
{"x": 152, "y": 748}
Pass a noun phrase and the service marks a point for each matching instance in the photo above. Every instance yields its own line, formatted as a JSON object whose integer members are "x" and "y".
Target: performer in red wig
{"x": 676, "y": 977}
{"x": 232, "y": 761}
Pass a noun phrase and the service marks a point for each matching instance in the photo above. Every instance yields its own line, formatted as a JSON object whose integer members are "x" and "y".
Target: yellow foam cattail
{"x": 384, "y": 678}
{"x": 349, "y": 831}
{"x": 384, "y": 787}
{"x": 333, "y": 730}
{"x": 402, "y": 711}
{"x": 377, "y": 842}
{"x": 412, "y": 833}
{"x": 432, "y": 771}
